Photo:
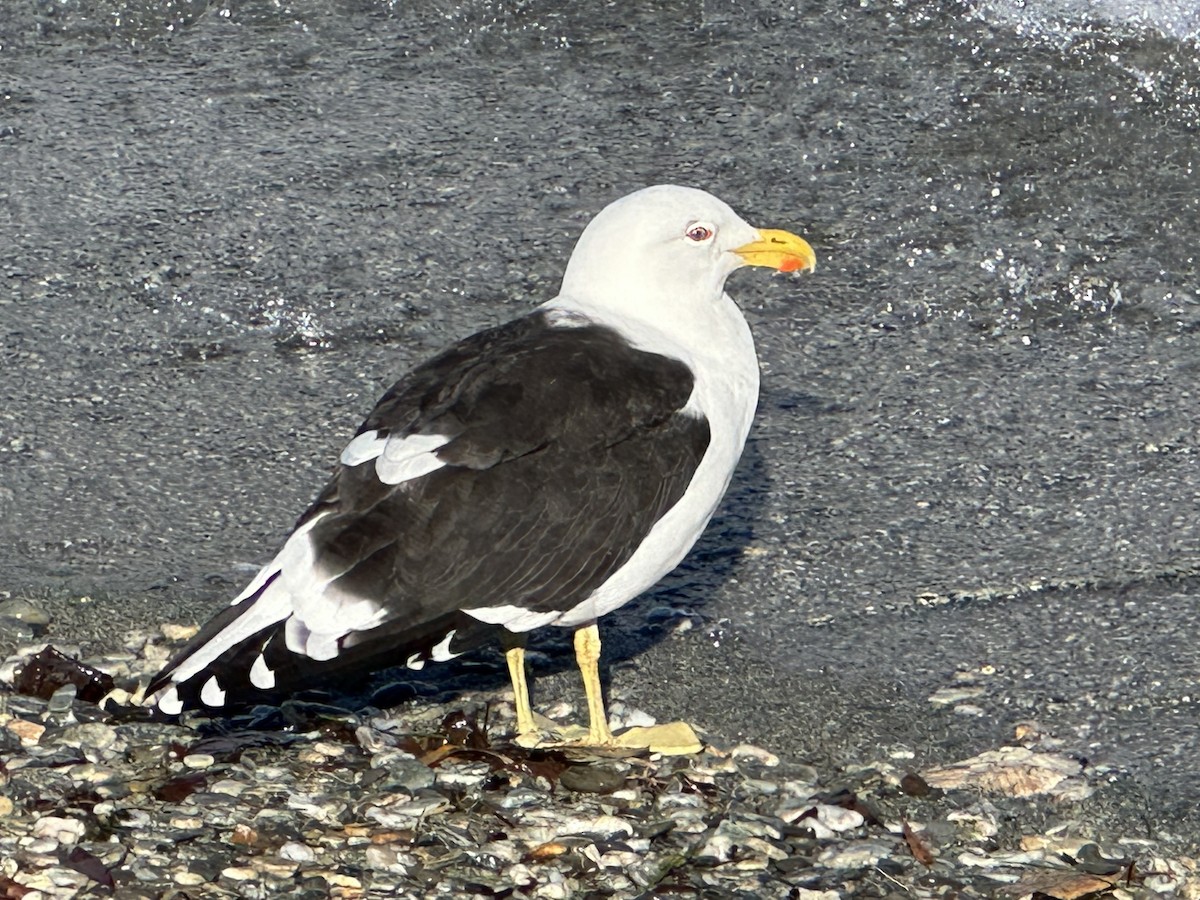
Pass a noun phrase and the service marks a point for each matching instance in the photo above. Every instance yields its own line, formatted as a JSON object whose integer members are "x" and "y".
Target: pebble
{"x": 95, "y": 736}
{"x": 297, "y": 852}
{"x": 755, "y": 754}
{"x": 854, "y": 856}
{"x": 57, "y": 828}
{"x": 61, "y": 700}
{"x": 174, "y": 632}
{"x": 24, "y": 611}
{"x": 592, "y": 779}
{"x": 29, "y": 732}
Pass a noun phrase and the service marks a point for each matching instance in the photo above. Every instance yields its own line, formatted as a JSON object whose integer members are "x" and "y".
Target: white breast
{"x": 721, "y": 353}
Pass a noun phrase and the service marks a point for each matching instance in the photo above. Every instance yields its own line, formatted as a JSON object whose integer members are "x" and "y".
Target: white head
{"x": 670, "y": 247}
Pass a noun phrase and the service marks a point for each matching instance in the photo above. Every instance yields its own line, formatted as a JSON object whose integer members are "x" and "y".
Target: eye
{"x": 699, "y": 233}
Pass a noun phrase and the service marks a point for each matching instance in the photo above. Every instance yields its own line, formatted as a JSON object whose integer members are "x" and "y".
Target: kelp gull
{"x": 542, "y": 472}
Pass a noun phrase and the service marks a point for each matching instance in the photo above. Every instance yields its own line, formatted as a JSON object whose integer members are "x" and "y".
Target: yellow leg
{"x": 587, "y": 654}
{"x": 515, "y": 657}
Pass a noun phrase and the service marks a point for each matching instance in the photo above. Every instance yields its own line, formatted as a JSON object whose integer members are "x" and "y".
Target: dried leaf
{"x": 178, "y": 789}
{"x": 12, "y": 890}
{"x": 917, "y": 845}
{"x": 49, "y": 670}
{"x": 90, "y": 865}
{"x": 914, "y": 785}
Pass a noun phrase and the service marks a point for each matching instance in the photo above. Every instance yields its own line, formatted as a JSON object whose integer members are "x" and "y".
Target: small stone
{"x": 189, "y": 879}
{"x": 229, "y": 787}
{"x": 638, "y": 718}
{"x": 276, "y": 867}
{"x": 855, "y": 855}
{"x": 239, "y": 873}
{"x": 29, "y": 732}
{"x": 24, "y": 611}
{"x": 591, "y": 779}
{"x": 949, "y": 696}
{"x": 57, "y": 828}
{"x": 6, "y": 806}
{"x": 62, "y": 699}
{"x": 90, "y": 773}
{"x": 174, "y": 632}
{"x": 199, "y": 760}
{"x": 297, "y": 852}
{"x": 404, "y": 769}
{"x": 755, "y": 754}
{"x": 383, "y": 858}
{"x": 88, "y": 735}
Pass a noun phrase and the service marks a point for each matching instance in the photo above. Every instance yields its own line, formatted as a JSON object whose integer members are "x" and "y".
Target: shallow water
{"x": 226, "y": 228}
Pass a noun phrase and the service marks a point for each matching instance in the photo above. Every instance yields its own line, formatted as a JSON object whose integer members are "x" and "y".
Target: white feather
{"x": 262, "y": 676}
{"x": 514, "y": 618}
{"x": 441, "y": 652}
{"x": 212, "y": 694}
{"x": 365, "y": 446}
{"x": 410, "y": 457}
{"x": 170, "y": 702}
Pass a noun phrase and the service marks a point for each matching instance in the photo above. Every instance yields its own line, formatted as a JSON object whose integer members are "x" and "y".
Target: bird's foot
{"x": 669, "y": 738}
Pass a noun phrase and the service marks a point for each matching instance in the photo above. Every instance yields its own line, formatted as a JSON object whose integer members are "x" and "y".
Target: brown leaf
{"x": 92, "y": 866}
{"x": 917, "y": 845}
{"x": 914, "y": 785}
{"x": 177, "y": 789}
{"x": 12, "y": 890}
{"x": 49, "y": 670}
{"x": 440, "y": 754}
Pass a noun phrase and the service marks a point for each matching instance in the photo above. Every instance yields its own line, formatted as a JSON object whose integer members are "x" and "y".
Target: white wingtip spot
{"x": 415, "y": 662}
{"x": 441, "y": 652}
{"x": 262, "y": 676}
{"x": 212, "y": 694}
{"x": 170, "y": 702}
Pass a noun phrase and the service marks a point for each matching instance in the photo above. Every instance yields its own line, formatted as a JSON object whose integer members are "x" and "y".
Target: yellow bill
{"x": 779, "y": 250}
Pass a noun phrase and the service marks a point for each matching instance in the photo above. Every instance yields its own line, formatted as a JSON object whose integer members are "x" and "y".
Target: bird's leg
{"x": 587, "y": 655}
{"x": 514, "y": 655}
